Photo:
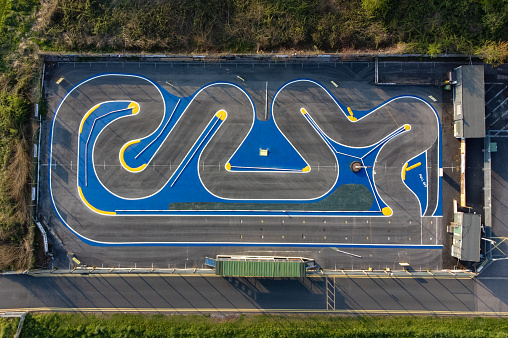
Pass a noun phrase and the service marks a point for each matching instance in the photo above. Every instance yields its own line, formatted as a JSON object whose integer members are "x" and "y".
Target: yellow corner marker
{"x": 407, "y": 127}
{"x": 221, "y": 114}
{"x": 387, "y": 211}
{"x": 86, "y": 116}
{"x": 351, "y": 117}
{"x": 92, "y": 207}
{"x": 141, "y": 167}
{"x": 134, "y": 106}
{"x": 404, "y": 172}
{"x": 228, "y": 166}
{"x": 306, "y": 169}
{"x": 303, "y": 111}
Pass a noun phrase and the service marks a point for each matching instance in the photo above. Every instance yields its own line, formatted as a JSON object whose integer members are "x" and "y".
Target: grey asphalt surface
{"x": 182, "y": 294}
{"x": 496, "y": 121}
{"x": 355, "y": 89}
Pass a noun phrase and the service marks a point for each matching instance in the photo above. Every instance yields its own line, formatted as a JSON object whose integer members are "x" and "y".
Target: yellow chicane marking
{"x": 92, "y": 207}
{"x": 414, "y": 166}
{"x": 222, "y": 114}
{"x": 86, "y": 116}
{"x": 351, "y": 117}
{"x": 303, "y": 111}
{"x": 141, "y": 167}
{"x": 406, "y": 169}
{"x": 134, "y": 106}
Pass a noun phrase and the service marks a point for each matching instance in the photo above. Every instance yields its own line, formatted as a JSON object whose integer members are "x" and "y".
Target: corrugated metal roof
{"x": 259, "y": 269}
{"x": 466, "y": 237}
{"x": 469, "y": 101}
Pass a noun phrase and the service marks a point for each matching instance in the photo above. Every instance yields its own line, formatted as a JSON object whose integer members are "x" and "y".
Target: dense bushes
{"x": 428, "y": 26}
{"x": 18, "y": 65}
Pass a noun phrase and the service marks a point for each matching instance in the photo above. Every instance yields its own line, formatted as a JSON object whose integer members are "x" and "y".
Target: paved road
{"x": 184, "y": 293}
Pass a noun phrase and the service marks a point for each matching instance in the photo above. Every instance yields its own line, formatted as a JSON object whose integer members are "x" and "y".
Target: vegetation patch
{"x": 347, "y": 197}
{"x": 426, "y": 26}
{"x": 8, "y": 327}
{"x": 125, "y": 325}
{"x": 18, "y": 68}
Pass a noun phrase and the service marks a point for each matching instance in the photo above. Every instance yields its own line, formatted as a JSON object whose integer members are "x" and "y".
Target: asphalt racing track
{"x": 143, "y": 155}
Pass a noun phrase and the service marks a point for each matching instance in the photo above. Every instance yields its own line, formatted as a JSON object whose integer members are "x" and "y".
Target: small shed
{"x": 469, "y": 102}
{"x": 466, "y": 236}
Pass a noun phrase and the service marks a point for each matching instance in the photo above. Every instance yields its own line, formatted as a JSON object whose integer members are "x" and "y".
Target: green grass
{"x": 125, "y": 325}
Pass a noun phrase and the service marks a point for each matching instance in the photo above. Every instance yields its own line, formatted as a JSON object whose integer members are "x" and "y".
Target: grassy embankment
{"x": 427, "y": 26}
{"x": 18, "y": 68}
{"x": 123, "y": 325}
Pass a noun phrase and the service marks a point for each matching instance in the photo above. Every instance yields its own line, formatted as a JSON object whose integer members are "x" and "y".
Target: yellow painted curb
{"x": 141, "y": 167}
{"x": 407, "y": 127}
{"x": 222, "y": 114}
{"x": 404, "y": 172}
{"x": 92, "y": 207}
{"x": 306, "y": 169}
{"x": 387, "y": 211}
{"x": 134, "y": 106}
{"x": 303, "y": 111}
{"x": 86, "y": 116}
{"x": 228, "y": 166}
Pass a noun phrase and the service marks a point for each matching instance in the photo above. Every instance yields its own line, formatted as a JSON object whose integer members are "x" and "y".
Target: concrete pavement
{"x": 199, "y": 294}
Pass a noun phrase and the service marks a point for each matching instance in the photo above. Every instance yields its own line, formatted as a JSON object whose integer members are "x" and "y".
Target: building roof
{"x": 469, "y": 102}
{"x": 466, "y": 236}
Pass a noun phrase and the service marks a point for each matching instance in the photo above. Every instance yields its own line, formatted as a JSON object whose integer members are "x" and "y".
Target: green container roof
{"x": 234, "y": 268}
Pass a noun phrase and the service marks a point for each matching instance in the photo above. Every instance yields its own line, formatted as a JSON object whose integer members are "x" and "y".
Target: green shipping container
{"x": 259, "y": 269}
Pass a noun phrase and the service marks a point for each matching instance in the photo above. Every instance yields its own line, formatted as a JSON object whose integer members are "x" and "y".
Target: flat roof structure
{"x": 469, "y": 102}
{"x": 466, "y": 236}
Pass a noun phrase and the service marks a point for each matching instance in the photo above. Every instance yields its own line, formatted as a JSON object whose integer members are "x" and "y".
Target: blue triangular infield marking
{"x": 280, "y": 154}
